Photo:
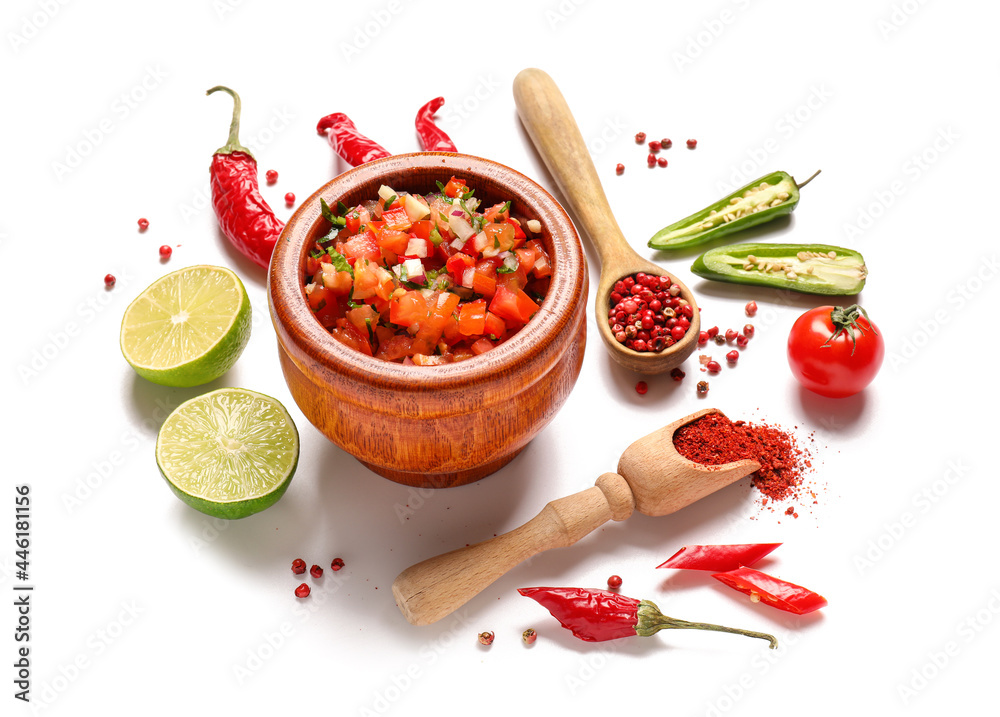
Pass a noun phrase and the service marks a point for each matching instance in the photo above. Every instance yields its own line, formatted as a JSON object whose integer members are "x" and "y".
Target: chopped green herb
{"x": 468, "y": 194}
{"x": 439, "y": 185}
{"x": 505, "y": 207}
{"x": 329, "y": 215}
{"x": 339, "y": 261}
{"x": 389, "y": 201}
{"x": 341, "y": 208}
{"x": 496, "y": 243}
{"x": 435, "y": 236}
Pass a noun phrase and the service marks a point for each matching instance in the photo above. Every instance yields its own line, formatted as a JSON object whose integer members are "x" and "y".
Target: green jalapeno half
{"x": 764, "y": 199}
{"x": 808, "y": 268}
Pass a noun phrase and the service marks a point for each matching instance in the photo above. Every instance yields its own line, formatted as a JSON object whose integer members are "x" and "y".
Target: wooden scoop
{"x": 552, "y": 129}
{"x": 652, "y": 478}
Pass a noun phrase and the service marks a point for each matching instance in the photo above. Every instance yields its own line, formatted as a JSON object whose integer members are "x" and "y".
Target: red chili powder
{"x": 713, "y": 439}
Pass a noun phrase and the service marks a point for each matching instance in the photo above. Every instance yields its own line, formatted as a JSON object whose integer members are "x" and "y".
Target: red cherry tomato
{"x": 826, "y": 359}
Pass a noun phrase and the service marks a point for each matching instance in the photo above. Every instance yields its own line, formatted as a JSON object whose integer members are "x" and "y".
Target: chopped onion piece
{"x": 468, "y": 277}
{"x": 461, "y": 228}
{"x": 386, "y": 193}
{"x": 414, "y": 270}
{"x": 534, "y": 226}
{"x": 416, "y": 247}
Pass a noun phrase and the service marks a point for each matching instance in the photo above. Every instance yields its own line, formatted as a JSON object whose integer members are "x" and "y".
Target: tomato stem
{"x": 846, "y": 320}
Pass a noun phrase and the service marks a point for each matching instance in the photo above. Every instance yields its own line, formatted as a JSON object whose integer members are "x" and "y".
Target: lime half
{"x": 188, "y": 327}
{"x": 228, "y": 453}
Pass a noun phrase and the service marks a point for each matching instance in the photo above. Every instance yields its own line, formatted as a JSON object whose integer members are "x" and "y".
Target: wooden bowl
{"x": 432, "y": 426}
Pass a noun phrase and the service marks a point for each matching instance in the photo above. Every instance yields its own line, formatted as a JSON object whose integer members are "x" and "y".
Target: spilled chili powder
{"x": 713, "y": 439}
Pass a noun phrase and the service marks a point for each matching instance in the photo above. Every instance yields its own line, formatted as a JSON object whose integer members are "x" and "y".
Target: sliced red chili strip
{"x": 351, "y": 145}
{"x": 432, "y": 138}
{"x": 718, "y": 558}
{"x": 772, "y": 591}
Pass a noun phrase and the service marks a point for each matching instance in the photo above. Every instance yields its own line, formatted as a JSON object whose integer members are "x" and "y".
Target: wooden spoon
{"x": 652, "y": 478}
{"x": 551, "y": 126}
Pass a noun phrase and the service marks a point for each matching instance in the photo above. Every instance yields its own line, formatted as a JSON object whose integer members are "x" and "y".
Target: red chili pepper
{"x": 772, "y": 591}
{"x": 598, "y": 615}
{"x": 245, "y": 218}
{"x": 352, "y": 146}
{"x": 432, "y": 138}
{"x": 718, "y": 558}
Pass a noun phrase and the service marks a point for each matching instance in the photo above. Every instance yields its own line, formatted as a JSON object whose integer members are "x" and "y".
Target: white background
{"x": 142, "y": 604}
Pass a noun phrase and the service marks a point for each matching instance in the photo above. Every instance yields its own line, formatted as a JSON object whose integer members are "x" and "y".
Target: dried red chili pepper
{"x": 352, "y": 146}
{"x": 245, "y": 218}
{"x": 772, "y": 591}
{"x": 432, "y": 138}
{"x": 598, "y": 615}
{"x": 718, "y": 558}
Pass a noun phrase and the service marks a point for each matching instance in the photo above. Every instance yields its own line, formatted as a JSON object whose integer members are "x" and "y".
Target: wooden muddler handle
{"x": 435, "y": 588}
{"x": 555, "y": 134}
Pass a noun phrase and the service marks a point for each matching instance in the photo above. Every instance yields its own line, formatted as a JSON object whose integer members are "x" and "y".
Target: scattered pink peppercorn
{"x": 289, "y": 199}
{"x": 731, "y": 334}
{"x": 641, "y": 388}
{"x": 316, "y": 571}
{"x": 666, "y": 143}
{"x": 640, "y": 137}
{"x": 337, "y": 564}
{"x": 751, "y": 308}
{"x": 143, "y": 224}
{"x": 713, "y": 367}
{"x": 748, "y": 330}
{"x": 302, "y": 591}
{"x": 692, "y": 143}
{"x": 662, "y": 161}
{"x": 166, "y": 251}
{"x": 614, "y": 582}
{"x": 676, "y": 374}
{"x": 529, "y": 636}
{"x": 733, "y": 356}
{"x": 620, "y": 168}
{"x": 486, "y": 638}
{"x": 298, "y": 566}
{"x": 272, "y": 176}
{"x": 654, "y": 146}
{"x": 703, "y": 338}
{"x": 742, "y": 341}
{"x": 702, "y": 388}
{"x": 651, "y": 160}
{"x": 109, "y": 280}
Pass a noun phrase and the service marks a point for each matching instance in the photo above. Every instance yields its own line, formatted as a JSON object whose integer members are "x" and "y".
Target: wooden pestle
{"x": 652, "y": 478}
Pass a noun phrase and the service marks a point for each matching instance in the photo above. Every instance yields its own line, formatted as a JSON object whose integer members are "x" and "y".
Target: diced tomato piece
{"x": 363, "y": 246}
{"x": 326, "y": 259}
{"x": 362, "y": 317}
{"x": 455, "y": 187}
{"x": 494, "y": 326}
{"x": 513, "y": 304}
{"x": 484, "y": 284}
{"x": 330, "y": 312}
{"x": 493, "y": 214}
{"x": 543, "y": 265}
{"x": 350, "y": 335}
{"x": 408, "y": 309}
{"x": 482, "y": 346}
{"x": 396, "y": 218}
{"x": 312, "y": 265}
{"x": 472, "y": 318}
{"x": 395, "y": 348}
{"x": 353, "y": 221}
{"x": 519, "y": 234}
{"x": 339, "y": 282}
{"x": 457, "y": 264}
{"x": 499, "y": 238}
{"x": 432, "y": 360}
{"x": 318, "y": 296}
{"x": 393, "y": 240}
{"x": 422, "y": 228}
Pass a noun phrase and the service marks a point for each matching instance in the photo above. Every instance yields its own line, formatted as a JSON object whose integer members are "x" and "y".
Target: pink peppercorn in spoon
{"x": 551, "y": 126}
